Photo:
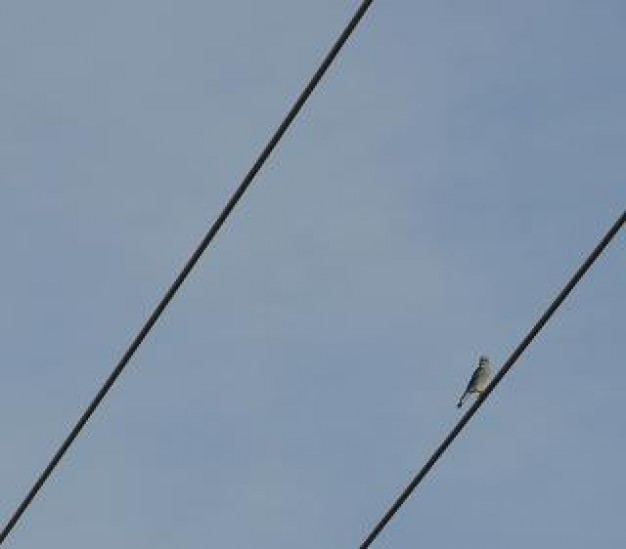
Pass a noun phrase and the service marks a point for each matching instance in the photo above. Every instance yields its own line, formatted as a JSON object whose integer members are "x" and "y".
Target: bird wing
{"x": 475, "y": 379}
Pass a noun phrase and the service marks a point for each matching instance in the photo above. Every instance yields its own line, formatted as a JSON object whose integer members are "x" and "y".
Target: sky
{"x": 452, "y": 171}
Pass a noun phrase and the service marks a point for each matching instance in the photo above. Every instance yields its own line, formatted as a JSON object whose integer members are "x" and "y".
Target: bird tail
{"x": 462, "y": 400}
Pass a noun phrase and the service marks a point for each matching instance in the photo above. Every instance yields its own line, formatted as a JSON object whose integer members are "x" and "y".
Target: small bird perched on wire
{"x": 479, "y": 380}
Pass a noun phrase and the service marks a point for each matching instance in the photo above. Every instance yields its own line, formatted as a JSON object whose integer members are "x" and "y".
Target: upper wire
{"x": 173, "y": 289}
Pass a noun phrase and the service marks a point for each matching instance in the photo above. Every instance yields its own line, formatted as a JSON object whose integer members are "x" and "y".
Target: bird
{"x": 479, "y": 380}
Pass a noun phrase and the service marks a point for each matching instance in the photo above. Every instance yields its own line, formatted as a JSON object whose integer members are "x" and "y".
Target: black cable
{"x": 247, "y": 180}
{"x": 503, "y": 371}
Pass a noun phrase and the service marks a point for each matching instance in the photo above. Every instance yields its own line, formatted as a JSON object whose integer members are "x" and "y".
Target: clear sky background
{"x": 457, "y": 164}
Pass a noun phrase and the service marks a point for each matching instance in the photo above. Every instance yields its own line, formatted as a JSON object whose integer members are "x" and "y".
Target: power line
{"x": 503, "y": 371}
{"x": 171, "y": 292}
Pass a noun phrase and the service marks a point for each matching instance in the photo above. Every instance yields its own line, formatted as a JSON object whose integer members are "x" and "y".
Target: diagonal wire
{"x": 503, "y": 371}
{"x": 171, "y": 292}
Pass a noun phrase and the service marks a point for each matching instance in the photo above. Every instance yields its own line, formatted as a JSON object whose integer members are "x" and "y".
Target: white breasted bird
{"x": 479, "y": 380}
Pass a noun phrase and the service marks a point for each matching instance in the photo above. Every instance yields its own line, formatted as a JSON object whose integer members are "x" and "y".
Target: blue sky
{"x": 452, "y": 171}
